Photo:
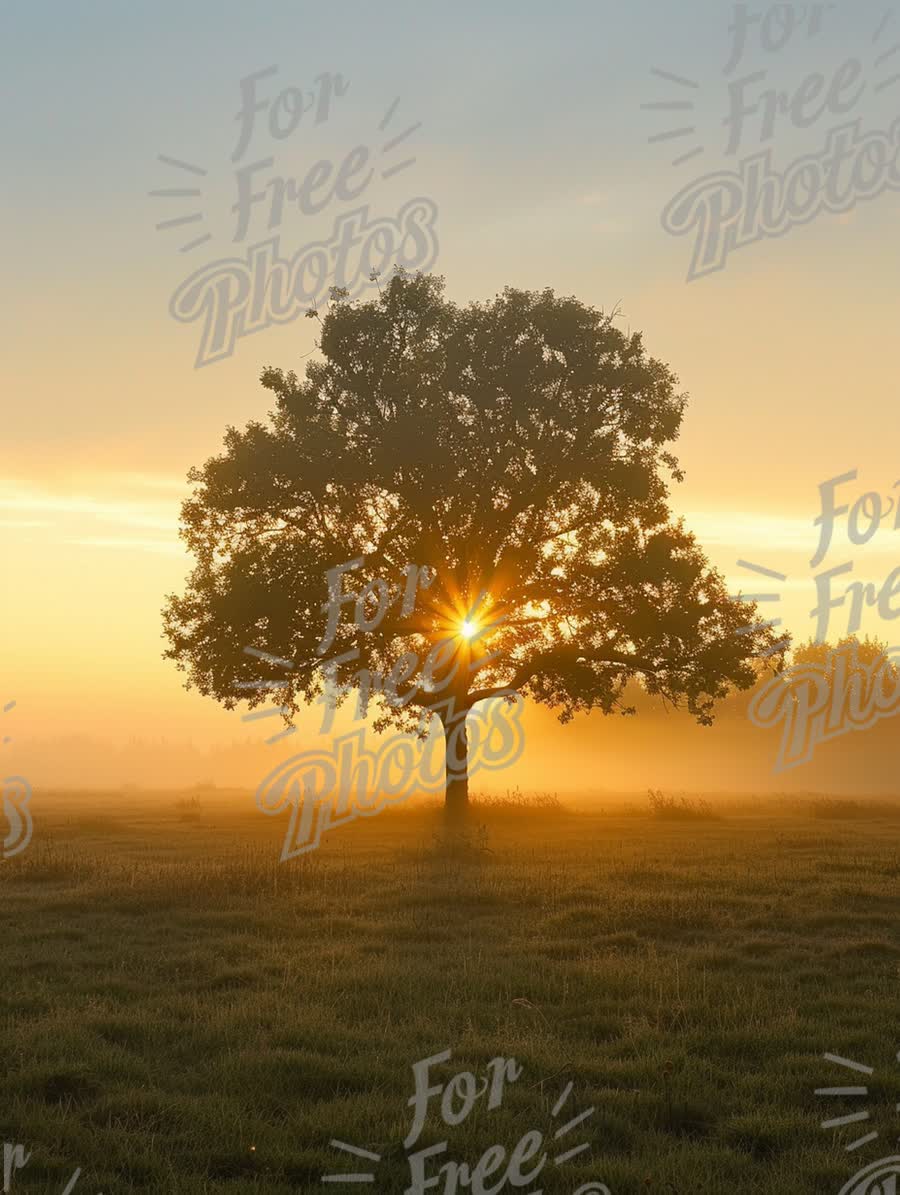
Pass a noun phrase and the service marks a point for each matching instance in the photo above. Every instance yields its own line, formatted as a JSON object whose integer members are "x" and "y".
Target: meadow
{"x": 183, "y": 1013}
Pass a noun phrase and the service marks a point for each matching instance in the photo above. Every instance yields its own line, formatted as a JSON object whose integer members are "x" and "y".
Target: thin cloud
{"x": 150, "y": 481}
{"x": 136, "y": 545}
{"x": 28, "y": 500}
{"x": 760, "y": 537}
{"x": 743, "y": 530}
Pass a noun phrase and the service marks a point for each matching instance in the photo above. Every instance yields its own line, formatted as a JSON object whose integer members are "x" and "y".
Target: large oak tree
{"x": 518, "y": 447}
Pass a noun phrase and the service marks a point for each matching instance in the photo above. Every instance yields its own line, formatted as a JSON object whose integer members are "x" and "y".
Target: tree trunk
{"x": 456, "y": 796}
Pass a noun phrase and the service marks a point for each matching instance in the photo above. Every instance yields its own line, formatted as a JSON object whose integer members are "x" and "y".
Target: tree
{"x": 859, "y": 653}
{"x": 517, "y": 447}
{"x": 826, "y": 692}
{"x": 860, "y": 662}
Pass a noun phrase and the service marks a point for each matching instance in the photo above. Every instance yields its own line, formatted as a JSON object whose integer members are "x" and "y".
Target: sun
{"x": 467, "y": 628}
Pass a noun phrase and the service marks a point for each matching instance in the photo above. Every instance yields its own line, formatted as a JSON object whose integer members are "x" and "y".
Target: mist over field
{"x": 653, "y": 749}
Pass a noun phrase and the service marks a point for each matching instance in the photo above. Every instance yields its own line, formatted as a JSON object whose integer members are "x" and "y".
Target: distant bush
{"x": 834, "y": 809}
{"x": 664, "y": 805}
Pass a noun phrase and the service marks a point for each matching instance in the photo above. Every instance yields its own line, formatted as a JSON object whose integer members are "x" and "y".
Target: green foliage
{"x": 517, "y": 446}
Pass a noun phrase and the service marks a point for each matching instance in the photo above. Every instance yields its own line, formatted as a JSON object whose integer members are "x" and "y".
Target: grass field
{"x": 183, "y": 1013}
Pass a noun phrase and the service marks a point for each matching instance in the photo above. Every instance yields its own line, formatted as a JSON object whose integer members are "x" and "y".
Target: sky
{"x": 536, "y": 139}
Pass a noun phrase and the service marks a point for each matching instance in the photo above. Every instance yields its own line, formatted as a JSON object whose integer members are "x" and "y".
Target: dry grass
{"x": 671, "y": 808}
